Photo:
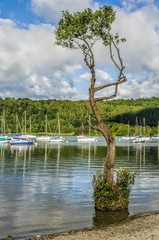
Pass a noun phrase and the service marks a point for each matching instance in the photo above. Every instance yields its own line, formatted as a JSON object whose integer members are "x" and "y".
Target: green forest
{"x": 139, "y": 114}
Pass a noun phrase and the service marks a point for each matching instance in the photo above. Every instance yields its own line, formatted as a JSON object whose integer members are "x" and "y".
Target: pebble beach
{"x": 137, "y": 227}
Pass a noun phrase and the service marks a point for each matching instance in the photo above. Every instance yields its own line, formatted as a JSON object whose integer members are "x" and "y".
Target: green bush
{"x": 125, "y": 180}
{"x": 110, "y": 195}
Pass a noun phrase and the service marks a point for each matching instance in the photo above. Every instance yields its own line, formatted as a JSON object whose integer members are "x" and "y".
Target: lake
{"x": 47, "y": 188}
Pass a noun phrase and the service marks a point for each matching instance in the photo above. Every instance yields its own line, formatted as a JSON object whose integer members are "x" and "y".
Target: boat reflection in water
{"x": 21, "y": 142}
{"x": 51, "y": 185}
{"x": 22, "y": 157}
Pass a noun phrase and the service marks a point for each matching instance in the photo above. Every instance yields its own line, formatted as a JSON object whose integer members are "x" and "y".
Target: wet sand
{"x": 138, "y": 227}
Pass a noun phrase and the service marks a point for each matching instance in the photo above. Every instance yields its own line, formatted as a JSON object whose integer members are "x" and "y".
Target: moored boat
{"x": 155, "y": 138}
{"x": 57, "y": 139}
{"x": 141, "y": 139}
{"x": 86, "y": 139}
{"x": 127, "y": 138}
{"x": 4, "y": 139}
{"x": 44, "y": 138}
{"x": 21, "y": 142}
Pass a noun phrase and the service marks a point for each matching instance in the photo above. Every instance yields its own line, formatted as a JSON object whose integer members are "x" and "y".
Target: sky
{"x": 32, "y": 66}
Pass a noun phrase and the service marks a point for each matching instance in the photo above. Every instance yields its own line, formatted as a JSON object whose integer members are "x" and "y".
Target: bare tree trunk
{"x": 110, "y": 156}
{"x": 101, "y": 126}
{"x": 109, "y": 163}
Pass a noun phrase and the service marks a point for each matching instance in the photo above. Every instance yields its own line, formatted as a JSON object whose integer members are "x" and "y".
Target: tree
{"x": 82, "y": 30}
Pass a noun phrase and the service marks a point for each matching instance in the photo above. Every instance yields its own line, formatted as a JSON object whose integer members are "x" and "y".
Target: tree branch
{"x": 121, "y": 77}
{"x": 89, "y": 54}
{"x": 110, "y": 84}
{"x": 89, "y": 120}
{"x": 105, "y": 98}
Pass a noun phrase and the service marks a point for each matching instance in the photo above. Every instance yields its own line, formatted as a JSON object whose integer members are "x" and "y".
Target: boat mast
{"x": 128, "y": 129}
{"x": 89, "y": 126}
{"x": 58, "y": 122}
{"x": 4, "y": 124}
{"x": 46, "y": 124}
{"x": 30, "y": 124}
{"x": 25, "y": 122}
{"x": 16, "y": 123}
{"x": 144, "y": 126}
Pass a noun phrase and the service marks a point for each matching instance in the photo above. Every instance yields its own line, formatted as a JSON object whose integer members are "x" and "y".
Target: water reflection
{"x": 2, "y": 157}
{"x": 22, "y": 156}
{"x": 45, "y": 155}
{"x": 51, "y": 185}
{"x": 88, "y": 149}
{"x": 140, "y": 154}
{"x": 102, "y": 218}
{"x": 58, "y": 157}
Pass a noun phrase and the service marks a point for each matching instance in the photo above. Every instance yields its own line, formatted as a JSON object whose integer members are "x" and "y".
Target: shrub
{"x": 110, "y": 195}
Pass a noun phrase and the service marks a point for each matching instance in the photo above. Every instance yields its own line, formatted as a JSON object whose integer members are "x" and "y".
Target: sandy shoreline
{"x": 138, "y": 227}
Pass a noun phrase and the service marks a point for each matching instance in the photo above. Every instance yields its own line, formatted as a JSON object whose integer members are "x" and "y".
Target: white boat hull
{"x": 86, "y": 139}
{"x": 43, "y": 139}
{"x": 57, "y": 139}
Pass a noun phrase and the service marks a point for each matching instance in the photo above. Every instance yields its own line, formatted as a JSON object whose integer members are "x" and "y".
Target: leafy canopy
{"x": 83, "y": 29}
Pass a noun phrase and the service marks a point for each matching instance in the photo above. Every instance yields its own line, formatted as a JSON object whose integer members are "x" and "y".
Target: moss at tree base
{"x": 110, "y": 195}
{"x": 119, "y": 205}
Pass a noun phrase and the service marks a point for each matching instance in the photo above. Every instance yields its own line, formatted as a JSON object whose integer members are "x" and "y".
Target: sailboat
{"x": 44, "y": 137}
{"x": 57, "y": 138}
{"x": 128, "y": 137}
{"x": 84, "y": 138}
{"x": 156, "y": 137}
{"x": 29, "y": 135}
{"x": 3, "y": 137}
{"x": 141, "y": 139}
{"x": 21, "y": 139}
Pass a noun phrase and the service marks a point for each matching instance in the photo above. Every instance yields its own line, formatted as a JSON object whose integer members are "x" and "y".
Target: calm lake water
{"x": 47, "y": 188}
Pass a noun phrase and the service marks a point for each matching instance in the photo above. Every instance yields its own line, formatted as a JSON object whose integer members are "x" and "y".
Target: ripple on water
{"x": 48, "y": 188}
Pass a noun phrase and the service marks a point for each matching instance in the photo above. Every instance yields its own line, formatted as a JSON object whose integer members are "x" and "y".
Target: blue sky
{"x": 32, "y": 66}
{"x": 21, "y": 10}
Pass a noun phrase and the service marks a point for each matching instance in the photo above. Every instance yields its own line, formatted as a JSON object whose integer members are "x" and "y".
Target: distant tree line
{"x": 137, "y": 114}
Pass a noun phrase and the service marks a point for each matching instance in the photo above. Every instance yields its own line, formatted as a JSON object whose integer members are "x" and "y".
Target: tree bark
{"x": 110, "y": 140}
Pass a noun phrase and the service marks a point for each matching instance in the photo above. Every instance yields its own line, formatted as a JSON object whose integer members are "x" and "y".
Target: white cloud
{"x": 51, "y": 10}
{"x": 85, "y": 76}
{"x": 134, "y": 4}
{"x": 69, "y": 69}
{"x": 102, "y": 77}
{"x": 32, "y": 66}
{"x": 140, "y": 52}
{"x": 136, "y": 89}
{"x": 139, "y": 28}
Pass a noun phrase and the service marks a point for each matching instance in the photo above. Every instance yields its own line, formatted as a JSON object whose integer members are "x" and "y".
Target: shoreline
{"x": 136, "y": 227}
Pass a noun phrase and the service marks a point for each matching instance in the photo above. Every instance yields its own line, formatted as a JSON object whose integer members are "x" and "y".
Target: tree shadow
{"x": 102, "y": 218}
{"x": 149, "y": 115}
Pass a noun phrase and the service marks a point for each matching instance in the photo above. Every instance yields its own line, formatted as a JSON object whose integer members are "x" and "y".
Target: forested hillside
{"x": 117, "y": 114}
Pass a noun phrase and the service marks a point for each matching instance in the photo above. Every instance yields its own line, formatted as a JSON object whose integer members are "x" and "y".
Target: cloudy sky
{"x": 32, "y": 66}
